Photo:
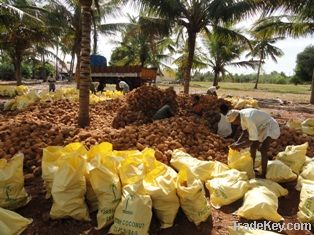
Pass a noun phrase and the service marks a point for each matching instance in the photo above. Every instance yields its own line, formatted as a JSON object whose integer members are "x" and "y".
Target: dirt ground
{"x": 294, "y": 107}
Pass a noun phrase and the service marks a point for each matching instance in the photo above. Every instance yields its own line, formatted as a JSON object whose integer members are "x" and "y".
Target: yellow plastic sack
{"x": 306, "y": 174}
{"x": 245, "y": 231}
{"x": 107, "y": 187}
{"x": 260, "y": 203}
{"x": 12, "y": 191}
{"x": 241, "y": 161}
{"x": 271, "y": 185}
{"x": 12, "y": 223}
{"x": 308, "y": 126}
{"x": 49, "y": 166}
{"x": 203, "y": 170}
{"x": 294, "y": 124}
{"x": 258, "y": 160}
{"x": 294, "y": 156}
{"x": 192, "y": 197}
{"x": 160, "y": 185}
{"x": 104, "y": 148}
{"x": 99, "y": 150}
{"x": 134, "y": 213}
{"x": 76, "y": 147}
{"x": 306, "y": 206}
{"x": 227, "y": 188}
{"x": 22, "y": 90}
{"x": 68, "y": 188}
{"x": 134, "y": 167}
{"x": 279, "y": 172}
{"x": 90, "y": 195}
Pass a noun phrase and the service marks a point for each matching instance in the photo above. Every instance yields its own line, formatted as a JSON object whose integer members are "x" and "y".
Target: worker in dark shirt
{"x": 164, "y": 112}
{"x": 197, "y": 106}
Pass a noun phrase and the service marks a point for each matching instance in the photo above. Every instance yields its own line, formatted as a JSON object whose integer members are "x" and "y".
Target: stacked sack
{"x": 123, "y": 186}
{"x": 266, "y": 206}
{"x": 190, "y": 185}
{"x": 11, "y": 91}
{"x": 241, "y": 103}
{"x": 12, "y": 196}
{"x": 306, "y": 185}
{"x": 307, "y": 126}
{"x": 22, "y": 101}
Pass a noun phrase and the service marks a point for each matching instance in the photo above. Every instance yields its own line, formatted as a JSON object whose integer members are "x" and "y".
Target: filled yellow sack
{"x": 271, "y": 185}
{"x": 306, "y": 206}
{"x": 76, "y": 147}
{"x": 227, "y": 188}
{"x": 160, "y": 185}
{"x": 69, "y": 187}
{"x": 245, "y": 231}
{"x": 134, "y": 213}
{"x": 22, "y": 90}
{"x": 306, "y": 174}
{"x": 106, "y": 184}
{"x": 134, "y": 167}
{"x": 279, "y": 172}
{"x": 308, "y": 126}
{"x": 203, "y": 170}
{"x": 49, "y": 166}
{"x": 91, "y": 198}
{"x": 101, "y": 149}
{"x": 241, "y": 161}
{"x": 294, "y": 124}
{"x": 294, "y": 156}
{"x": 12, "y": 191}
{"x": 260, "y": 203}
{"x": 192, "y": 197}
{"x": 12, "y": 223}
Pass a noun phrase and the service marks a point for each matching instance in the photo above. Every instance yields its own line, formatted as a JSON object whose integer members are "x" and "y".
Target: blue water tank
{"x": 98, "y": 60}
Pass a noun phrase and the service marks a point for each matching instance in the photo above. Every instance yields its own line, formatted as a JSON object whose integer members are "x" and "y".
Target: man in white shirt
{"x": 124, "y": 86}
{"x": 224, "y": 127}
{"x": 212, "y": 90}
{"x": 261, "y": 129}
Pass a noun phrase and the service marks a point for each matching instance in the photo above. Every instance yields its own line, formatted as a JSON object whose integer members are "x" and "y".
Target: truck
{"x": 134, "y": 76}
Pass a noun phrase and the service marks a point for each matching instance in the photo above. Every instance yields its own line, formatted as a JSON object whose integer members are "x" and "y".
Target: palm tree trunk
{"x": 258, "y": 72}
{"x": 188, "y": 67}
{"x": 312, "y": 89}
{"x": 17, "y": 67}
{"x": 85, "y": 78}
{"x": 215, "y": 82}
{"x": 78, "y": 67}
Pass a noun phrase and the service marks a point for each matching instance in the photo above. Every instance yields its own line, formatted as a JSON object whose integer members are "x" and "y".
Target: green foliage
{"x": 6, "y": 71}
{"x": 202, "y": 77}
{"x": 272, "y": 78}
{"x": 143, "y": 43}
{"x": 305, "y": 65}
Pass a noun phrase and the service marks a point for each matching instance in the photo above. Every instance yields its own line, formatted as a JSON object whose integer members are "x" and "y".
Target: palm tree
{"x": 144, "y": 42}
{"x": 223, "y": 50}
{"x": 19, "y": 34}
{"x": 85, "y": 49}
{"x": 262, "y": 49}
{"x": 199, "y": 59}
{"x": 299, "y": 21}
{"x": 198, "y": 15}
